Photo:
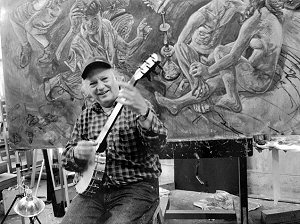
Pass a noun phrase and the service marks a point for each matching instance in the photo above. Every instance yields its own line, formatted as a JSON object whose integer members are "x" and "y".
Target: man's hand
{"x": 143, "y": 29}
{"x": 131, "y": 97}
{"x": 76, "y": 14}
{"x": 40, "y": 4}
{"x": 199, "y": 88}
{"x": 85, "y": 149}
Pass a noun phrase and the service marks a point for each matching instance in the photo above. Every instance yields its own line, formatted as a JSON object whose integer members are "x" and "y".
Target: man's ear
{"x": 85, "y": 90}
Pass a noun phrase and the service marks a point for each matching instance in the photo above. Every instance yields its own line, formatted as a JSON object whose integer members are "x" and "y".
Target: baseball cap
{"x": 92, "y": 64}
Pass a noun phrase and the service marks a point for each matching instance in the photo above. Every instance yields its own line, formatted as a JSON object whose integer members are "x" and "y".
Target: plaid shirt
{"x": 131, "y": 153}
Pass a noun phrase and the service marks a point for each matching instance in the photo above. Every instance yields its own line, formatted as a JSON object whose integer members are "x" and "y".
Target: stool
{"x": 158, "y": 216}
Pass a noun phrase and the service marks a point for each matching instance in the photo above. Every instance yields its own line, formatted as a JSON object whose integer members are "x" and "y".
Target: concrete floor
{"x": 178, "y": 200}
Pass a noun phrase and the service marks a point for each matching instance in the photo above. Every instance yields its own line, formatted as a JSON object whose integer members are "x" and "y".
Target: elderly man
{"x": 127, "y": 189}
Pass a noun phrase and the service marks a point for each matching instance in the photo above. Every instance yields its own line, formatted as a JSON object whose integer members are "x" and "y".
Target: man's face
{"x": 91, "y": 24}
{"x": 103, "y": 86}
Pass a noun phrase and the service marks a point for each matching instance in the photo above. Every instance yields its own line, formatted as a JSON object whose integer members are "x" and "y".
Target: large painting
{"x": 230, "y": 67}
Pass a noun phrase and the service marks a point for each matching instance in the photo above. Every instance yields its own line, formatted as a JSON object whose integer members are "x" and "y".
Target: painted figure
{"x": 236, "y": 70}
{"x": 97, "y": 37}
{"x": 35, "y": 19}
{"x": 204, "y": 32}
{"x": 94, "y": 36}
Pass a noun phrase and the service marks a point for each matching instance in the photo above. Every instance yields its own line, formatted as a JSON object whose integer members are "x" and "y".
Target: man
{"x": 204, "y": 31}
{"x": 98, "y": 37}
{"x": 128, "y": 190}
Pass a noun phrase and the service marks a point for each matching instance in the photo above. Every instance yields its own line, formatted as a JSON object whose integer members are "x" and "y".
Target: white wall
{"x": 1, "y": 65}
{"x": 1, "y": 71}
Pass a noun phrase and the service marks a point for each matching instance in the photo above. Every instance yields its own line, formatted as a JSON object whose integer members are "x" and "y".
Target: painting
{"x": 230, "y": 68}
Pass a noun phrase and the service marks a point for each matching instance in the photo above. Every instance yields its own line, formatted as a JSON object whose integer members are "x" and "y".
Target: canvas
{"x": 230, "y": 67}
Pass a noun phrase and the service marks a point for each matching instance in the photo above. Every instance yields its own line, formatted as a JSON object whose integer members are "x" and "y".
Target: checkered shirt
{"x": 131, "y": 153}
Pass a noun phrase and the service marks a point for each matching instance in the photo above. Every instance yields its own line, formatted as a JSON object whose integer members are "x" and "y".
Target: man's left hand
{"x": 199, "y": 87}
{"x": 131, "y": 97}
{"x": 143, "y": 29}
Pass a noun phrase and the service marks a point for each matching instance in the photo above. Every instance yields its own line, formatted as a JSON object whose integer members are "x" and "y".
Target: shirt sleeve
{"x": 69, "y": 162}
{"x": 154, "y": 138}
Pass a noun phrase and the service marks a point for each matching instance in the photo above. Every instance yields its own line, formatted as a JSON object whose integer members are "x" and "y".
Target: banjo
{"x": 96, "y": 164}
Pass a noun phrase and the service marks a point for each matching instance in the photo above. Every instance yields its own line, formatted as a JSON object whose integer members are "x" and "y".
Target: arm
{"x": 152, "y": 131}
{"x": 143, "y": 31}
{"x": 240, "y": 45}
{"x": 196, "y": 20}
{"x": 69, "y": 161}
{"x": 75, "y": 16}
{"x": 259, "y": 48}
{"x": 240, "y": 6}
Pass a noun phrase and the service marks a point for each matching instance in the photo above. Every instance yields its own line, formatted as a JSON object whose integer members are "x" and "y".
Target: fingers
{"x": 127, "y": 92}
{"x": 77, "y": 8}
{"x": 195, "y": 69}
{"x": 85, "y": 149}
{"x": 147, "y": 30}
{"x": 77, "y": 12}
{"x": 197, "y": 92}
{"x": 142, "y": 23}
{"x": 124, "y": 101}
{"x": 126, "y": 97}
{"x": 206, "y": 90}
{"x": 87, "y": 143}
{"x": 125, "y": 85}
{"x": 130, "y": 96}
{"x": 143, "y": 29}
{"x": 193, "y": 72}
{"x": 201, "y": 89}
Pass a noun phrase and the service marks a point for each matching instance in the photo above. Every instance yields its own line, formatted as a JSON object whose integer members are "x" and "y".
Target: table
{"x": 287, "y": 143}
{"x": 219, "y": 148}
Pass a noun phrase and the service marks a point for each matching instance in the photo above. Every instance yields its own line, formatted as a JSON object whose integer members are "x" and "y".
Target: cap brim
{"x": 94, "y": 65}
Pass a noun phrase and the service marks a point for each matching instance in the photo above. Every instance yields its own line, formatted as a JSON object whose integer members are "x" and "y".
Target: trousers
{"x": 134, "y": 203}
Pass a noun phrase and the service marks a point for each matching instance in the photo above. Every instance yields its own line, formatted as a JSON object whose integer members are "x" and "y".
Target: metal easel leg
{"x": 40, "y": 177}
{"x": 19, "y": 178}
{"x": 243, "y": 189}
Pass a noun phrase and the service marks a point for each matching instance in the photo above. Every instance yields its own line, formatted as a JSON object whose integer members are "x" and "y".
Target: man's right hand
{"x": 199, "y": 86}
{"x": 76, "y": 14}
{"x": 85, "y": 149}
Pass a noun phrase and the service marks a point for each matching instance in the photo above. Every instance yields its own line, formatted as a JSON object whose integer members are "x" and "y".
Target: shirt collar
{"x": 97, "y": 108}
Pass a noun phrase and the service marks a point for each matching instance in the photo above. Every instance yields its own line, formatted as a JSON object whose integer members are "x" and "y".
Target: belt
{"x": 152, "y": 181}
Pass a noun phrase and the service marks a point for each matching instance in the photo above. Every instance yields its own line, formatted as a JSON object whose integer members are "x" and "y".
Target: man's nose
{"x": 100, "y": 85}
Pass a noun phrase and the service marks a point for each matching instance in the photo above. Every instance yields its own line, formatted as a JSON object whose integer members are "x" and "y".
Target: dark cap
{"x": 93, "y": 64}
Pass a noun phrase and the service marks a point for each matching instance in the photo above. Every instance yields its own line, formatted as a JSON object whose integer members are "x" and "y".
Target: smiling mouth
{"x": 103, "y": 93}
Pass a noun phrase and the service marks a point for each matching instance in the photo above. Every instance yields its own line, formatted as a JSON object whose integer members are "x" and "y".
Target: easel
{"x": 56, "y": 192}
{"x": 185, "y": 149}
{"x": 20, "y": 185}
{"x": 18, "y": 162}
{"x": 5, "y": 134}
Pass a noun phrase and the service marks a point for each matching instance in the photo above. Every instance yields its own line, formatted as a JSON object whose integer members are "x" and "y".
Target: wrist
{"x": 140, "y": 35}
{"x": 75, "y": 154}
{"x": 144, "y": 116}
